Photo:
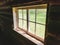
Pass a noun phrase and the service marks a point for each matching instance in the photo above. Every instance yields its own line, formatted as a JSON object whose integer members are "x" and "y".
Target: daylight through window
{"x": 32, "y": 19}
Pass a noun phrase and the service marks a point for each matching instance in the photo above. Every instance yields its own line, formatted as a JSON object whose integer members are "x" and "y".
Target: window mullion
{"x": 27, "y": 20}
{"x": 35, "y": 20}
{"x": 22, "y": 18}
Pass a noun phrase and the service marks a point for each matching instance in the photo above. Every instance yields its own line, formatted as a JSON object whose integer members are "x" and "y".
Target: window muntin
{"x": 33, "y": 20}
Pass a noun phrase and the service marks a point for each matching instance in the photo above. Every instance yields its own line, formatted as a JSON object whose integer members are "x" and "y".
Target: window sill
{"x": 28, "y": 37}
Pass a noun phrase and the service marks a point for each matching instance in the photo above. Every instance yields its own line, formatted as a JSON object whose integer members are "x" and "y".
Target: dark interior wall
{"x": 8, "y": 36}
{"x": 53, "y": 25}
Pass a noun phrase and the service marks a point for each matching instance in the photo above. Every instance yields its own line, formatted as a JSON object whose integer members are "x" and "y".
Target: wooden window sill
{"x": 28, "y": 37}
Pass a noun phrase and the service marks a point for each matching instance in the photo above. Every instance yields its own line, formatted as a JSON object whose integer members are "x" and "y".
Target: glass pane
{"x": 32, "y": 27}
{"x": 20, "y": 23}
{"x": 24, "y": 25}
{"x": 32, "y": 15}
{"x": 24, "y": 14}
{"x": 20, "y": 13}
{"x": 40, "y": 30}
{"x": 41, "y": 16}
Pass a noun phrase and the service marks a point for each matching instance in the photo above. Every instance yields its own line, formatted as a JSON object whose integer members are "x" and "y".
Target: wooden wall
{"x": 7, "y": 35}
{"x": 53, "y": 25}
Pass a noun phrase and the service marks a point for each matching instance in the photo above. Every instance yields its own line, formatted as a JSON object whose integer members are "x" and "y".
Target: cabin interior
{"x": 11, "y": 34}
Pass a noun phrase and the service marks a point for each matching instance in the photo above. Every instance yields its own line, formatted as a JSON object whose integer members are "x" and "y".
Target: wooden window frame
{"x": 30, "y": 7}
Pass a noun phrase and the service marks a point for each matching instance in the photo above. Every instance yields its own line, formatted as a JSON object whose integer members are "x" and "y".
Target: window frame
{"x": 29, "y": 7}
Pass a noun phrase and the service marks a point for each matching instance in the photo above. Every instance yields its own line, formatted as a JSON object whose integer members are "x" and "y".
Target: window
{"x": 32, "y": 19}
{"x": 22, "y": 18}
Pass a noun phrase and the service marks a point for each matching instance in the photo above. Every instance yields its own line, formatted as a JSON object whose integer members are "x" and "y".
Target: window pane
{"x": 40, "y": 30}
{"x": 32, "y": 15}
{"x": 24, "y": 14}
{"x": 32, "y": 27}
{"x": 20, "y": 13}
{"x": 24, "y": 25}
{"x": 20, "y": 23}
{"x": 41, "y": 16}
